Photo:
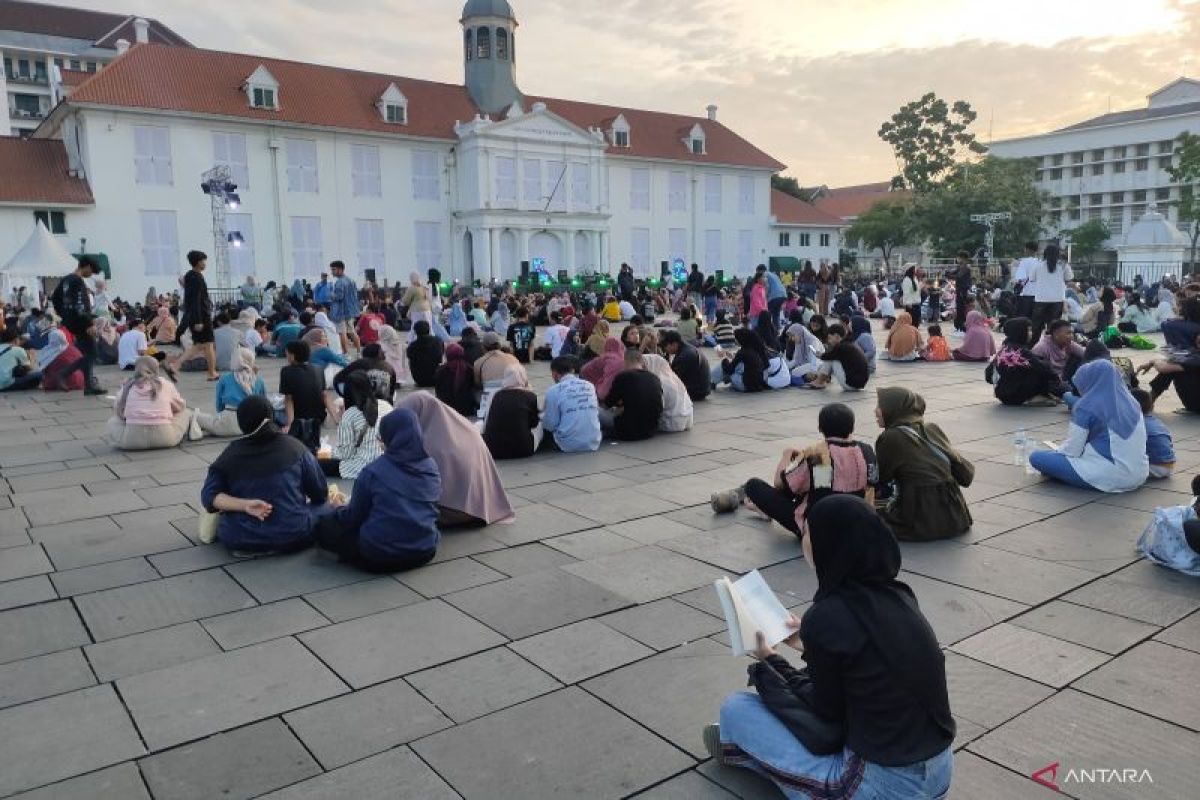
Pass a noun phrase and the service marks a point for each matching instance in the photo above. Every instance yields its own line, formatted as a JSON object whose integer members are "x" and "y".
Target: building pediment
{"x": 540, "y": 125}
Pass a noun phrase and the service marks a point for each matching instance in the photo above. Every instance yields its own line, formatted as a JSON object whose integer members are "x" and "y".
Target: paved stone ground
{"x": 576, "y": 652}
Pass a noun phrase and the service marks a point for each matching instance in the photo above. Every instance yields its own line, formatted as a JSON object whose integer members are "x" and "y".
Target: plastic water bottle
{"x": 1020, "y": 448}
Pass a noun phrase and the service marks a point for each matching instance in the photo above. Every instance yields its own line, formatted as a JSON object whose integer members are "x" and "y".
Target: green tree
{"x": 789, "y": 185}
{"x": 1088, "y": 239}
{"x": 883, "y": 227}
{"x": 942, "y": 216}
{"x": 1186, "y": 172}
{"x": 928, "y": 137}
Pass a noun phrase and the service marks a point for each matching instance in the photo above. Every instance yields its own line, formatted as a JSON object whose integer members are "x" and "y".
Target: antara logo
{"x": 1048, "y": 775}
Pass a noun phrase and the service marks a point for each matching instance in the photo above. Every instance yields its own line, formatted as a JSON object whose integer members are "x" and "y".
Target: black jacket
{"x": 692, "y": 368}
{"x": 424, "y": 356}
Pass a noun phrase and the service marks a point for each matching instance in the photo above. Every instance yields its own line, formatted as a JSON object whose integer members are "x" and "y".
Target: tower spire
{"x": 489, "y": 54}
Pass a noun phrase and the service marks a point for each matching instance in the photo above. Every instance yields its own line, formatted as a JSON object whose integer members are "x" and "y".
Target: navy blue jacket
{"x": 298, "y": 495}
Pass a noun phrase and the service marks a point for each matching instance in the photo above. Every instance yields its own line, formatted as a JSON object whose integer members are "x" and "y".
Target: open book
{"x": 750, "y": 606}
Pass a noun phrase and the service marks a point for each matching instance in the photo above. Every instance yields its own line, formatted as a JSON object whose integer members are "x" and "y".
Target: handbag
{"x": 818, "y": 735}
{"x": 209, "y": 521}
{"x": 961, "y": 470}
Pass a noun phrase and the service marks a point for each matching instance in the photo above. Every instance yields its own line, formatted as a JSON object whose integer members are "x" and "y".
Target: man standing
{"x": 344, "y": 307}
{"x": 1023, "y": 283}
{"x": 695, "y": 286}
{"x": 323, "y": 292}
{"x": 73, "y": 304}
{"x": 776, "y": 294}
{"x": 963, "y": 282}
{"x": 197, "y": 317}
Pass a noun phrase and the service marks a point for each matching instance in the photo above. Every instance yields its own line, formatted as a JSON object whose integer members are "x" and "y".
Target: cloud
{"x": 810, "y": 85}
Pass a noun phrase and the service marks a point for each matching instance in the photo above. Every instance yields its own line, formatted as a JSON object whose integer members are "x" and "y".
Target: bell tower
{"x": 489, "y": 54}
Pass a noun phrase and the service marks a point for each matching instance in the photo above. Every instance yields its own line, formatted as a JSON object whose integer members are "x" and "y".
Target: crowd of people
{"x": 413, "y": 394}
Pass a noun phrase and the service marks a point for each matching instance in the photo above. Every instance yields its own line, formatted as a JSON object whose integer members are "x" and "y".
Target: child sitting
{"x": 838, "y": 464}
{"x": 936, "y": 348}
{"x": 723, "y": 331}
{"x": 843, "y": 361}
{"x": 1159, "y": 447}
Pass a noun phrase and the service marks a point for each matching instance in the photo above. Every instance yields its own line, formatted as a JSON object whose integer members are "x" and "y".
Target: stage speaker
{"x": 563, "y": 277}
{"x": 720, "y": 277}
{"x": 524, "y": 272}
{"x": 666, "y": 268}
{"x": 369, "y": 275}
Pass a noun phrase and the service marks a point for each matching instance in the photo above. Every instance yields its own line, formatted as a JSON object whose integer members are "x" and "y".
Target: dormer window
{"x": 695, "y": 140}
{"x": 393, "y": 106}
{"x": 698, "y": 147}
{"x": 262, "y": 90}
{"x": 620, "y": 131}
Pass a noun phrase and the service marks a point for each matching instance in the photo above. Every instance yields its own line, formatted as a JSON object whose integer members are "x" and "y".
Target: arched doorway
{"x": 583, "y": 260}
{"x": 508, "y": 267}
{"x": 548, "y": 247}
{"x": 468, "y": 258}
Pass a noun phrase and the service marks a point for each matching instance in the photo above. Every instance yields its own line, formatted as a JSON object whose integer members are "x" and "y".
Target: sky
{"x": 808, "y": 81}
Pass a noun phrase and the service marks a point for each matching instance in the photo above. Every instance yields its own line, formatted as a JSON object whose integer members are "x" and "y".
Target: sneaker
{"x": 712, "y": 743}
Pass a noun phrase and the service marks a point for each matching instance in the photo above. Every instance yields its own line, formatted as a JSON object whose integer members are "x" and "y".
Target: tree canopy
{"x": 790, "y": 185}
{"x": 1186, "y": 172}
{"x": 942, "y": 215}
{"x": 1088, "y": 239}
{"x": 929, "y": 137}
{"x": 884, "y": 227}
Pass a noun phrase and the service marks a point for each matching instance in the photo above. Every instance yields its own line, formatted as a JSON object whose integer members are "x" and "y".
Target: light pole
{"x": 218, "y": 184}
{"x": 989, "y": 220}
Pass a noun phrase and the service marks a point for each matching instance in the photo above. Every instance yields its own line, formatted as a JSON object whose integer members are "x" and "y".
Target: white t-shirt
{"x": 1049, "y": 287}
{"x": 555, "y": 336}
{"x": 627, "y": 309}
{"x": 887, "y": 308}
{"x": 130, "y": 346}
{"x": 252, "y": 339}
{"x": 1025, "y": 272}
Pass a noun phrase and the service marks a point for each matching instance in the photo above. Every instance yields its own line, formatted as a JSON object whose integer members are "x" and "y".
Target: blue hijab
{"x": 860, "y": 325}
{"x": 415, "y": 474}
{"x": 1104, "y": 397}
{"x": 457, "y": 320}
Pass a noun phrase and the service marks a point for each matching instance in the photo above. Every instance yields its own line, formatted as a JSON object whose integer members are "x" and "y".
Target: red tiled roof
{"x": 789, "y": 210}
{"x": 848, "y": 202}
{"x": 35, "y": 171}
{"x": 99, "y": 27}
{"x": 74, "y": 77}
{"x": 209, "y": 82}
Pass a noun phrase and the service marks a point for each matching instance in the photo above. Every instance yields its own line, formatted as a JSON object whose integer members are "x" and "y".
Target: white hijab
{"x": 678, "y": 412}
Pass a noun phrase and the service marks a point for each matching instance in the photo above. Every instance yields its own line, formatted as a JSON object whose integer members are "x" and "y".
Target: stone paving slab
{"x": 262, "y": 623}
{"x": 394, "y": 775}
{"x": 579, "y": 651}
{"x": 1085, "y": 626}
{"x": 99, "y": 577}
{"x": 1031, "y": 654}
{"x": 645, "y": 574}
{"x": 149, "y": 651}
{"x": 43, "y": 676}
{"x": 64, "y": 736}
{"x": 360, "y": 599}
{"x": 480, "y": 684}
{"x": 568, "y": 744}
{"x": 36, "y": 630}
{"x": 1185, "y": 633}
{"x": 122, "y": 782}
{"x": 198, "y": 698}
{"x": 253, "y": 760}
{"x": 25, "y": 592}
{"x": 1147, "y": 679}
{"x": 145, "y": 606}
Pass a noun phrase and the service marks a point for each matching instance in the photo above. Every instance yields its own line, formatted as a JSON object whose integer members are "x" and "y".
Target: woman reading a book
{"x": 873, "y": 664}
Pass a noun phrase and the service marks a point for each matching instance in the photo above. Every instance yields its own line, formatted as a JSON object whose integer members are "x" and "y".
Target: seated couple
{"x": 272, "y": 495}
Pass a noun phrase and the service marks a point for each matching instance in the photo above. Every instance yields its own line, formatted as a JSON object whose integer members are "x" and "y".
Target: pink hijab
{"x": 601, "y": 371}
{"x": 978, "y": 343}
{"x": 470, "y": 482}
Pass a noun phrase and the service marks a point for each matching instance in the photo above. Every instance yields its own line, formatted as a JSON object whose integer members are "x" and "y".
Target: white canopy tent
{"x": 41, "y": 255}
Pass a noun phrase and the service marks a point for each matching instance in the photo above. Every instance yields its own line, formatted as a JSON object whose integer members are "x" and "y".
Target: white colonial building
{"x": 1114, "y": 166}
{"x": 802, "y": 232}
{"x": 393, "y": 174}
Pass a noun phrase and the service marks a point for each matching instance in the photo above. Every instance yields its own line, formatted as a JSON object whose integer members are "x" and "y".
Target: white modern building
{"x": 1112, "y": 167}
{"x": 396, "y": 174}
{"x": 36, "y": 39}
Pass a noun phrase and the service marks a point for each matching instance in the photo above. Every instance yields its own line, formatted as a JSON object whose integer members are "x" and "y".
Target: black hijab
{"x": 1016, "y": 331}
{"x": 262, "y": 449}
{"x": 857, "y": 559}
{"x": 764, "y": 326}
{"x": 751, "y": 341}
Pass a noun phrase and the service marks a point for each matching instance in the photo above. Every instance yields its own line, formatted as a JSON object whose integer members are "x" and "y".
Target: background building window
{"x": 152, "y": 155}
{"x": 1097, "y": 169}
{"x": 307, "y": 249}
{"x": 264, "y": 97}
{"x": 805, "y": 239}
{"x": 1118, "y": 167}
{"x": 745, "y": 194}
{"x": 230, "y": 149}
{"x": 621, "y": 138}
{"x": 55, "y": 221}
{"x": 429, "y": 245}
{"x": 369, "y": 240}
{"x": 712, "y": 194}
{"x": 425, "y": 178}
{"x": 639, "y": 189}
{"x": 302, "y": 165}
{"x": 1165, "y": 162}
{"x": 160, "y": 242}
{"x": 506, "y": 181}
{"x": 483, "y": 43}
{"x": 824, "y": 240}
{"x": 677, "y": 199}
{"x": 469, "y": 43}
{"x": 785, "y": 240}
{"x": 502, "y": 44}
{"x": 241, "y": 257}
{"x": 639, "y": 249}
{"x": 1143, "y": 149}
{"x": 365, "y": 177}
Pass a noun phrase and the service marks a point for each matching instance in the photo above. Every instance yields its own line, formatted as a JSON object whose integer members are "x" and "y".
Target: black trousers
{"x": 778, "y": 504}
{"x": 1025, "y": 306}
{"x": 331, "y": 535}
{"x": 1187, "y": 386}
{"x": 1043, "y": 315}
{"x": 960, "y": 310}
{"x": 915, "y": 313}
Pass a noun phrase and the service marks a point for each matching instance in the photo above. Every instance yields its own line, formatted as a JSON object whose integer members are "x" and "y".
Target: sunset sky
{"x": 809, "y": 82}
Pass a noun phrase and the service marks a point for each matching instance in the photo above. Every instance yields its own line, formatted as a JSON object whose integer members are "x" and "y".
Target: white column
{"x": 494, "y": 266}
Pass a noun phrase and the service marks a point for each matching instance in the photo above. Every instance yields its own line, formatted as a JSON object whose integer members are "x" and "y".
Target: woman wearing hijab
{"x": 149, "y": 413}
{"x": 904, "y": 339}
{"x": 240, "y": 382}
{"x": 333, "y": 339}
{"x": 1019, "y": 375}
{"x": 924, "y": 468}
{"x": 860, "y": 332}
{"x": 390, "y": 523}
{"x": 453, "y": 382}
{"x": 678, "y": 412}
{"x": 601, "y": 371}
{"x": 55, "y": 359}
{"x": 456, "y": 323}
{"x": 764, "y": 326}
{"x": 357, "y": 444}
{"x": 500, "y": 319}
{"x": 162, "y": 328}
{"x": 471, "y": 490}
{"x": 513, "y": 427}
{"x": 594, "y": 346}
{"x": 746, "y": 371}
{"x": 416, "y": 300}
{"x": 804, "y": 349}
{"x": 267, "y": 486}
{"x": 1105, "y": 448}
{"x": 978, "y": 344}
{"x": 873, "y": 665}
{"x": 394, "y": 352}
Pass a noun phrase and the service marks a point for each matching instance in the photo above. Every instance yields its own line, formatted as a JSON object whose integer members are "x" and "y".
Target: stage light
{"x": 232, "y": 200}
{"x": 235, "y": 238}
